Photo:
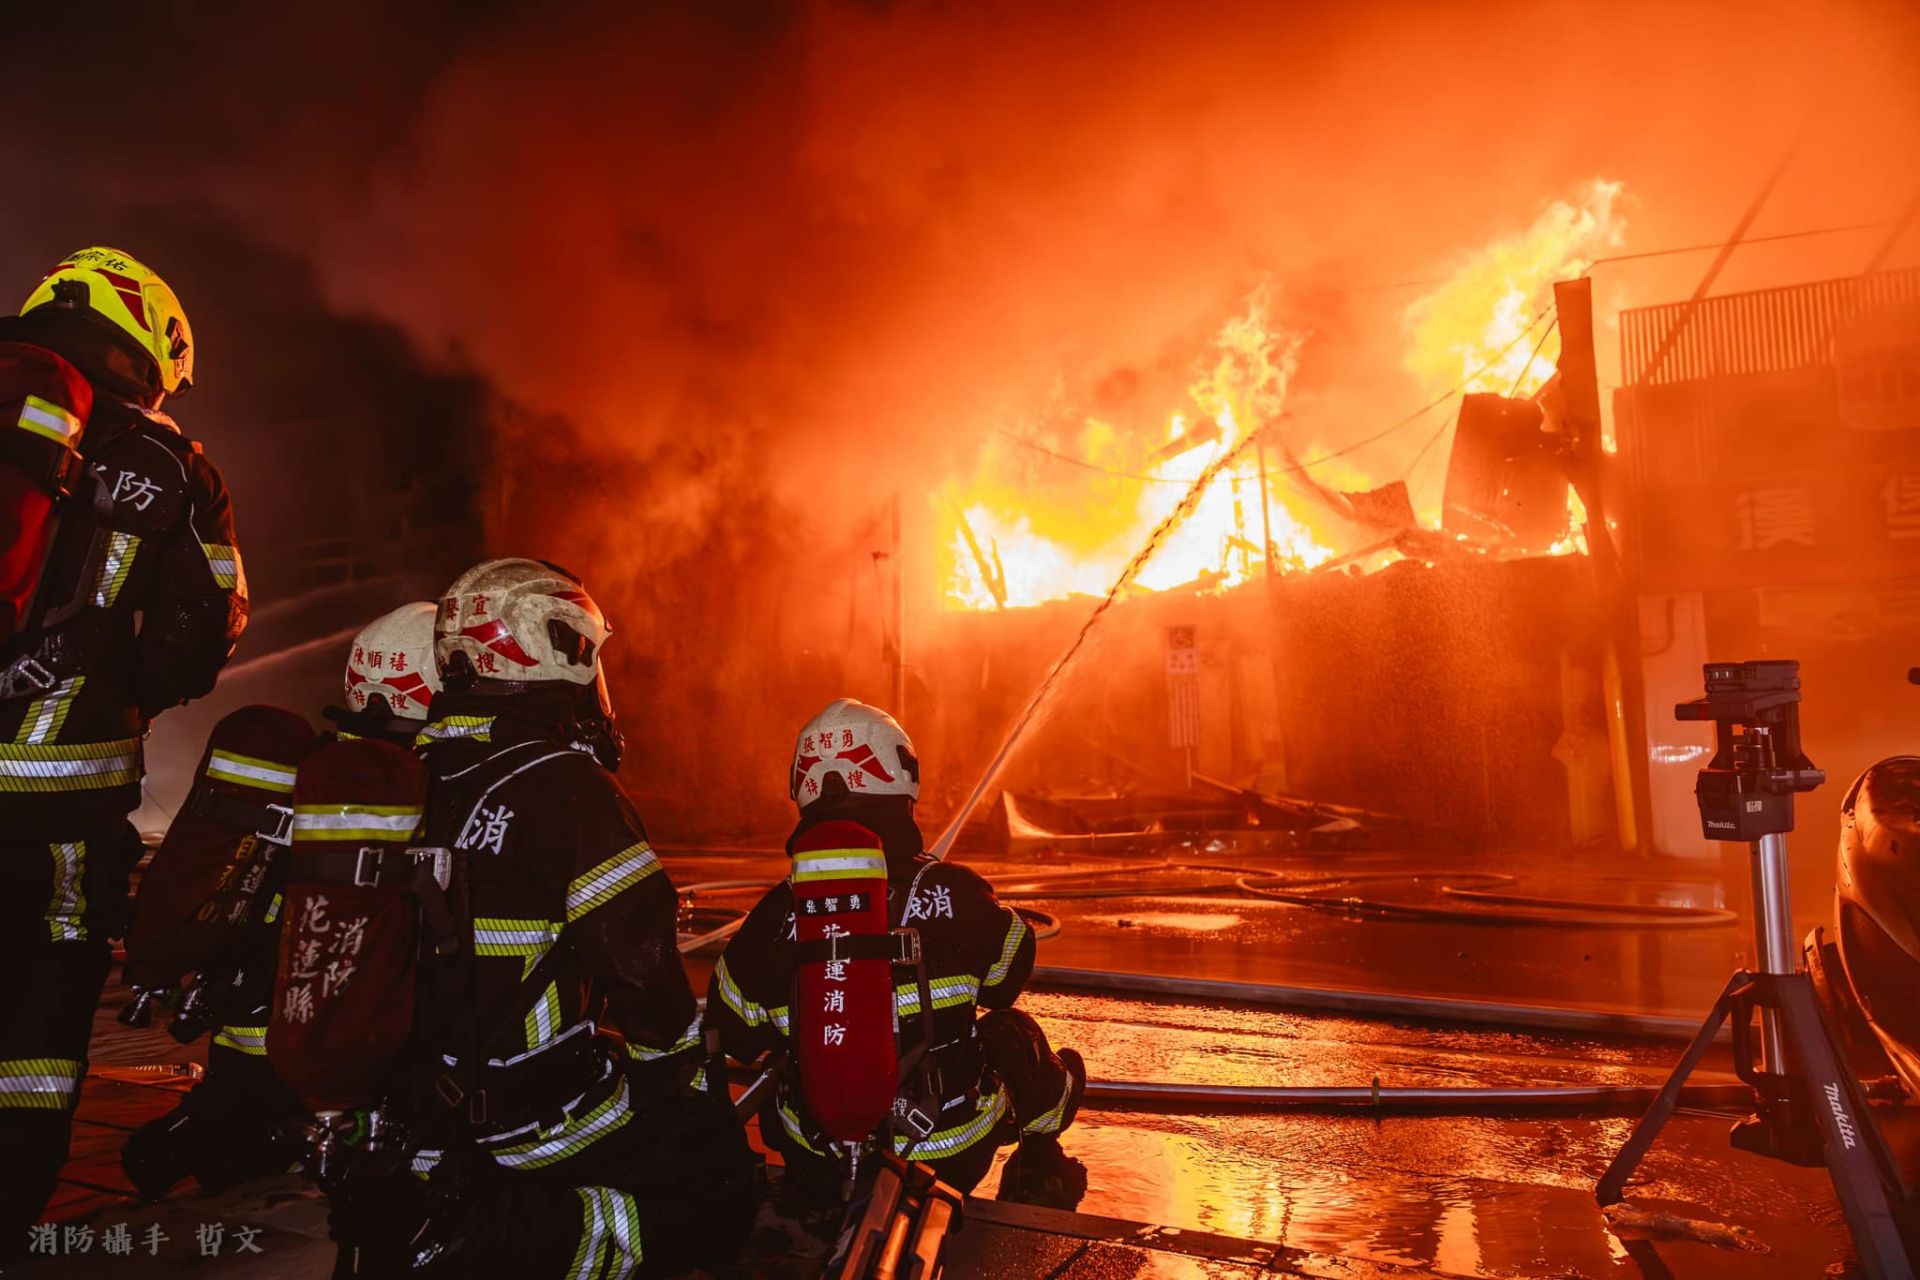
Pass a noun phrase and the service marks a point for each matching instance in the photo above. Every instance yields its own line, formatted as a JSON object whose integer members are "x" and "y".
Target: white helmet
{"x": 520, "y": 621}
{"x": 392, "y": 659}
{"x": 864, "y": 746}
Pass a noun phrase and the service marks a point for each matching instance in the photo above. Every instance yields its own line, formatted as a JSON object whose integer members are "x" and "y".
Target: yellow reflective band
{"x": 751, "y": 1012}
{"x": 610, "y": 879}
{"x": 946, "y": 1142}
{"x": 273, "y": 909}
{"x": 224, "y": 561}
{"x": 543, "y": 1020}
{"x": 1050, "y": 1121}
{"x": 251, "y": 1041}
{"x": 39, "y": 1084}
{"x": 839, "y": 864}
{"x": 946, "y": 993}
{"x": 355, "y": 822}
{"x": 689, "y": 1039}
{"x": 461, "y": 728}
{"x": 574, "y": 1135}
{"x": 114, "y": 568}
{"x": 250, "y": 771}
{"x": 609, "y": 1247}
{"x": 503, "y": 936}
{"x": 81, "y": 766}
{"x": 48, "y": 713}
{"x": 1016, "y": 931}
{"x": 791, "y": 1123}
{"x": 67, "y": 910}
{"x": 45, "y": 418}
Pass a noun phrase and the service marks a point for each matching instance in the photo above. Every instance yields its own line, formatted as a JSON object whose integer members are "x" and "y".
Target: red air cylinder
{"x": 843, "y": 1025}
{"x": 44, "y": 403}
{"x": 197, "y": 897}
{"x": 344, "y": 995}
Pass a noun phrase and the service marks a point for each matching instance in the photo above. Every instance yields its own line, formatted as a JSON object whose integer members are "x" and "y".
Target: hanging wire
{"x": 1330, "y": 455}
{"x": 1534, "y": 355}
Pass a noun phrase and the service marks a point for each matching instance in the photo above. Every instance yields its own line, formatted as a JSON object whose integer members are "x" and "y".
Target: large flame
{"x": 1016, "y": 543}
{"x": 1051, "y": 514}
{"x": 1475, "y": 327}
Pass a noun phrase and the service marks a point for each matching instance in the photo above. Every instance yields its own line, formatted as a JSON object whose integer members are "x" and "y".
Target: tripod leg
{"x": 1856, "y": 1153}
{"x": 1614, "y": 1181}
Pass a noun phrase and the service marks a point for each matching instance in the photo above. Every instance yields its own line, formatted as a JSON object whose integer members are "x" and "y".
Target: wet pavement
{"x": 1181, "y": 1191}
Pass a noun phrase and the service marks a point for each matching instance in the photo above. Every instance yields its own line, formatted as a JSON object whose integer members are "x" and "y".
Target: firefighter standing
{"x": 241, "y": 1120}
{"x": 146, "y": 534}
{"x": 591, "y": 1150}
{"x": 995, "y": 1077}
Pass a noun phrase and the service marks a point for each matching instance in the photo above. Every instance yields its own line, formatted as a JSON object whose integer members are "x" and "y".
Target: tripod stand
{"x": 1810, "y": 1108}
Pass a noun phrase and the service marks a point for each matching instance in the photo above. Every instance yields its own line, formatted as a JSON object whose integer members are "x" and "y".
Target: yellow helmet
{"x": 135, "y": 303}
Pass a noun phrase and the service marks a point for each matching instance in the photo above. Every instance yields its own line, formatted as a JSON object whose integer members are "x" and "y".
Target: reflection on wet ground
{"x": 1466, "y": 1195}
{"x": 1463, "y": 1195}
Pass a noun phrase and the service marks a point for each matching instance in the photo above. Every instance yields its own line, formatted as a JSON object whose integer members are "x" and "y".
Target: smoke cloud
{"x": 735, "y": 275}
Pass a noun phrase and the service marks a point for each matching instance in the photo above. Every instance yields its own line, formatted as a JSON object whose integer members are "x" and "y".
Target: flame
{"x": 1030, "y": 527}
{"x": 1012, "y": 546}
{"x": 1471, "y": 328}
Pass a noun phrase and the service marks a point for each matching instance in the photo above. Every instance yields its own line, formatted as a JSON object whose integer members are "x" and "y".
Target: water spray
{"x": 1188, "y": 502}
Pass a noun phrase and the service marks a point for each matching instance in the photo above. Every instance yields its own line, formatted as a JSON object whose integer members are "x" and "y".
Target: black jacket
{"x": 148, "y": 534}
{"x": 978, "y": 953}
{"x": 554, "y": 853}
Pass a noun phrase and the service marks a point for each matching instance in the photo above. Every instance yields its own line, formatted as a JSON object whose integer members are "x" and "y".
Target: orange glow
{"x": 1045, "y": 547}
{"x": 1026, "y": 528}
{"x": 1471, "y": 327}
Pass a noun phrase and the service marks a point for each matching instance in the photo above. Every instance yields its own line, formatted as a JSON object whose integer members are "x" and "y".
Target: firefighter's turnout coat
{"x": 572, "y": 1011}
{"x": 978, "y": 955}
{"x": 148, "y": 537}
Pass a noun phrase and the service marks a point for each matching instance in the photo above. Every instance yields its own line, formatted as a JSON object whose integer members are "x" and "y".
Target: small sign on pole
{"x": 1183, "y": 692}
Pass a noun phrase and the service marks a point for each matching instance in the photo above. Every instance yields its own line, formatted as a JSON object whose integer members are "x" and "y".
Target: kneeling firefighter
{"x": 953, "y": 1086}
{"x": 540, "y": 1115}
{"x": 1867, "y": 973}
{"x": 210, "y": 904}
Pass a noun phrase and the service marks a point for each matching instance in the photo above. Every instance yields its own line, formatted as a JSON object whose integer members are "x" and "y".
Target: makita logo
{"x": 1719, "y": 826}
{"x": 1840, "y": 1116}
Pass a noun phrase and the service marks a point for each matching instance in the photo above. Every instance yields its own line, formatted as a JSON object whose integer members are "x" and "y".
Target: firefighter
{"x": 995, "y": 1077}
{"x": 558, "y": 1120}
{"x": 138, "y": 605}
{"x": 241, "y": 1121}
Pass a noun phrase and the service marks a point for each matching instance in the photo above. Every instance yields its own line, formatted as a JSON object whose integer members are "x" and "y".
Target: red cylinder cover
{"x": 196, "y": 895}
{"x": 44, "y": 403}
{"x": 843, "y": 1026}
{"x": 344, "y": 994}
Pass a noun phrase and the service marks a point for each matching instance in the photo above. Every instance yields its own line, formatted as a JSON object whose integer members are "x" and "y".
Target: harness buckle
{"x": 448, "y": 1090}
{"x": 282, "y": 825}
{"x": 26, "y": 674}
{"x": 916, "y": 1119}
{"x": 363, "y": 878}
{"x": 906, "y": 947}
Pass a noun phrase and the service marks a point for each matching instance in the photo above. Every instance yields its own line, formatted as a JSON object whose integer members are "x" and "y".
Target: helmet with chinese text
{"x": 852, "y": 749}
{"x": 390, "y": 668}
{"x": 528, "y": 630}
{"x": 145, "y": 345}
{"x": 1877, "y": 906}
{"x": 518, "y": 621}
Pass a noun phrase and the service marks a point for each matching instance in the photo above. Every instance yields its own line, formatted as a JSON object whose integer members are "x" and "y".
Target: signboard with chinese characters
{"x": 1814, "y": 526}
{"x": 1775, "y": 441}
{"x": 1183, "y": 688}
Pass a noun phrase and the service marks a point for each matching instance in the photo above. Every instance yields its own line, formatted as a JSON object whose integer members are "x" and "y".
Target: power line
{"x": 1840, "y": 229}
{"x": 1749, "y": 240}
{"x": 1341, "y": 452}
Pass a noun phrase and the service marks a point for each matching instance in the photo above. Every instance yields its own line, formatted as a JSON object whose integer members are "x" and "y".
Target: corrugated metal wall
{"x": 1766, "y": 331}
